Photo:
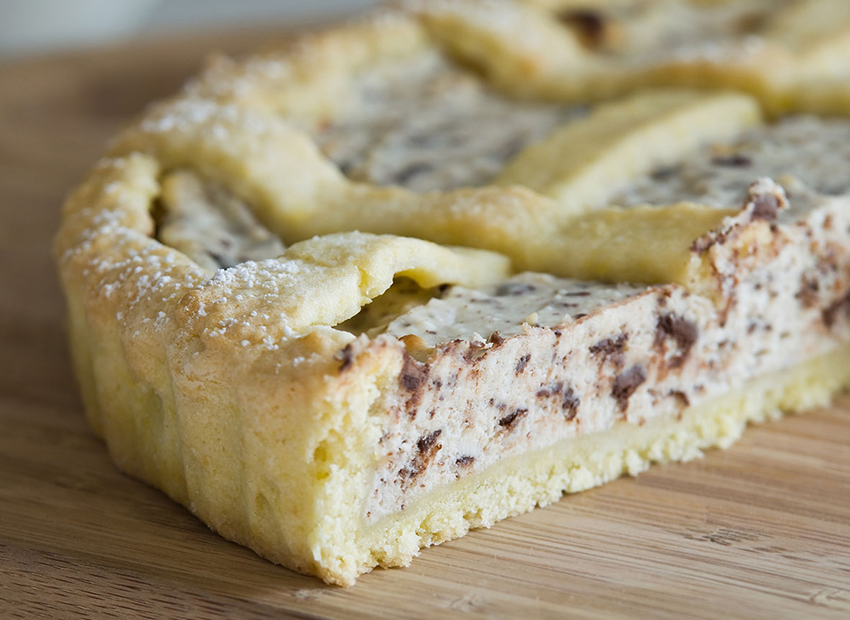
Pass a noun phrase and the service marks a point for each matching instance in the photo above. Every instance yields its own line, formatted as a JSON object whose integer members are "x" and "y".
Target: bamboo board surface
{"x": 759, "y": 531}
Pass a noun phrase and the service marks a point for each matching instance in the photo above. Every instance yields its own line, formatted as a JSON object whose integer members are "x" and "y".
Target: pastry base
{"x": 518, "y": 484}
{"x": 338, "y": 547}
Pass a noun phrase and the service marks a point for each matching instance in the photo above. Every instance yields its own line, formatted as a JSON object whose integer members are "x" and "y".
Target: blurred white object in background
{"x": 30, "y": 25}
{"x": 205, "y": 13}
{"x": 36, "y": 25}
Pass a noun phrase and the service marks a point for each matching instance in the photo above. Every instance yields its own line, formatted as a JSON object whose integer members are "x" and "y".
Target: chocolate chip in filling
{"x": 210, "y": 225}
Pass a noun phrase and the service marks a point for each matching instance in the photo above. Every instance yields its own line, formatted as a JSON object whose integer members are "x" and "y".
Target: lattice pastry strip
{"x": 299, "y": 193}
{"x": 764, "y": 47}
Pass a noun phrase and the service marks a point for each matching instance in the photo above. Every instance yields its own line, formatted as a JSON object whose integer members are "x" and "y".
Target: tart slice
{"x": 355, "y": 299}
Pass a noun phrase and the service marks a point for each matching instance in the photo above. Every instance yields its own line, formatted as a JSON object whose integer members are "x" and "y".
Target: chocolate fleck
{"x": 426, "y": 443}
{"x": 495, "y": 339}
{"x": 427, "y": 447}
{"x": 765, "y": 207}
{"x": 411, "y": 382}
{"x": 735, "y": 160}
{"x": 830, "y": 313}
{"x": 702, "y": 243}
{"x": 682, "y": 331}
{"x": 522, "y": 363}
{"x": 475, "y": 351}
{"x": 808, "y": 293}
{"x": 413, "y": 376}
{"x": 570, "y": 403}
{"x": 346, "y": 356}
{"x": 589, "y": 25}
{"x": 514, "y": 288}
{"x": 551, "y": 390}
{"x": 464, "y": 461}
{"x": 681, "y": 398}
{"x": 511, "y": 419}
{"x": 406, "y": 174}
{"x": 625, "y": 385}
{"x": 664, "y": 173}
{"x": 611, "y": 348}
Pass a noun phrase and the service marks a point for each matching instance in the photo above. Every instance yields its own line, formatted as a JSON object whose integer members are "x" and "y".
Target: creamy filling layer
{"x": 808, "y": 156}
{"x": 425, "y": 124}
{"x": 502, "y": 310}
{"x": 447, "y": 312}
{"x": 400, "y": 299}
{"x": 211, "y": 225}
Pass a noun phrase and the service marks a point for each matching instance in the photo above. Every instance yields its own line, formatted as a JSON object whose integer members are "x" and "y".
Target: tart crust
{"x": 244, "y": 392}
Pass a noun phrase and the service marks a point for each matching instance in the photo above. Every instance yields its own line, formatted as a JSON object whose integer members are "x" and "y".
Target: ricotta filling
{"x": 808, "y": 156}
{"x": 452, "y": 312}
{"x": 507, "y": 308}
{"x": 425, "y": 124}
{"x": 210, "y": 225}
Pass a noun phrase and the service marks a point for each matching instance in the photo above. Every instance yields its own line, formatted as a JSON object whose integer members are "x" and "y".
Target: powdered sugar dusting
{"x": 193, "y": 113}
{"x": 136, "y": 275}
{"x": 232, "y": 295}
{"x": 226, "y": 78}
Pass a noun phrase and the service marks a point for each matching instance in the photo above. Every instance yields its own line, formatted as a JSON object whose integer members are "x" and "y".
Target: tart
{"x": 410, "y": 276}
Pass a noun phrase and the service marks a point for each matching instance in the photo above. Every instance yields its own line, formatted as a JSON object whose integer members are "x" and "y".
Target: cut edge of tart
{"x": 340, "y": 401}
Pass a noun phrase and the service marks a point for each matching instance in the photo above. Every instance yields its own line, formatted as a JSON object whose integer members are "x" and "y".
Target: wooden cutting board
{"x": 759, "y": 531}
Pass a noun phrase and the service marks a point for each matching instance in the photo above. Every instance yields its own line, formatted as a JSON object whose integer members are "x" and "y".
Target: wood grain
{"x": 759, "y": 531}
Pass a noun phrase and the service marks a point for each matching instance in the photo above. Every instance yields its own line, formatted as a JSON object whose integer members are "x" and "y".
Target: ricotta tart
{"x": 408, "y": 277}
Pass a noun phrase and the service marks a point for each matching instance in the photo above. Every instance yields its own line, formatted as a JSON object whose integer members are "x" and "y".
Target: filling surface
{"x": 402, "y": 297}
{"x": 425, "y": 124}
{"x": 446, "y": 313}
{"x": 210, "y": 225}
{"x": 528, "y": 299}
{"x": 808, "y": 156}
